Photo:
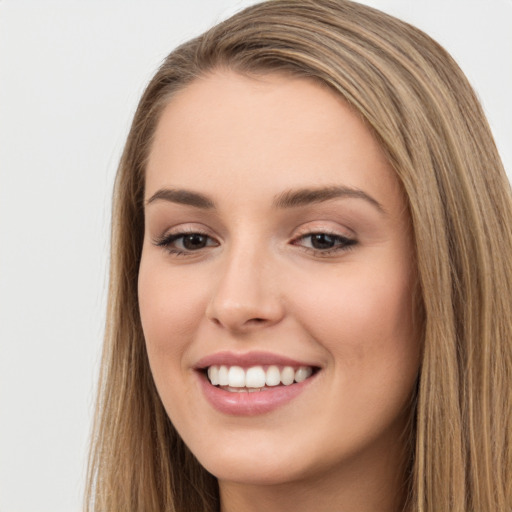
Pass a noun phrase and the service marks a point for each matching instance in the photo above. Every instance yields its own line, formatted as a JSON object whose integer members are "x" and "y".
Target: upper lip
{"x": 248, "y": 359}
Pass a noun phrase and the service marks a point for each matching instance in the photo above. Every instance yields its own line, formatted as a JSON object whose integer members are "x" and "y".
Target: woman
{"x": 309, "y": 206}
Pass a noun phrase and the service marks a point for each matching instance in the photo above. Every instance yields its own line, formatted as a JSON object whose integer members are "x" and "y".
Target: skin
{"x": 259, "y": 284}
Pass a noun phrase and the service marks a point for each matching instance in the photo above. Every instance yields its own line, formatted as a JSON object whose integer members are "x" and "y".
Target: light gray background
{"x": 71, "y": 73}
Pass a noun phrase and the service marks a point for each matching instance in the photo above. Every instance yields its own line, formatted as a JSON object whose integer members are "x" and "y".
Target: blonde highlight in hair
{"x": 419, "y": 105}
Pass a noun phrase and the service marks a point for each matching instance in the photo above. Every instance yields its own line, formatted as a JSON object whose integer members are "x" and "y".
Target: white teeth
{"x": 213, "y": 375}
{"x": 287, "y": 375}
{"x": 236, "y": 377}
{"x": 223, "y": 376}
{"x": 303, "y": 373}
{"x": 273, "y": 376}
{"x": 255, "y": 377}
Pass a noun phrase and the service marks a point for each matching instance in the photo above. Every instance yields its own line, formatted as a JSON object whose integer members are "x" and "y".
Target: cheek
{"x": 365, "y": 321}
{"x": 366, "y": 325}
{"x": 171, "y": 306}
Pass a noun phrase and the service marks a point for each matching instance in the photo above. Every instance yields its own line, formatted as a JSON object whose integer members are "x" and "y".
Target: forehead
{"x": 264, "y": 133}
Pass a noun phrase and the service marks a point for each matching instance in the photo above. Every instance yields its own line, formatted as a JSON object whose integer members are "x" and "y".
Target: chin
{"x": 253, "y": 472}
{"x": 254, "y": 463}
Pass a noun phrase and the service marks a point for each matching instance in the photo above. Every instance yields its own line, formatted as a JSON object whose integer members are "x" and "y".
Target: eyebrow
{"x": 305, "y": 196}
{"x": 287, "y": 199}
{"x": 183, "y": 197}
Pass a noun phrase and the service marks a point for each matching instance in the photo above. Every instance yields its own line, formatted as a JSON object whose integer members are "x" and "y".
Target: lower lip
{"x": 250, "y": 404}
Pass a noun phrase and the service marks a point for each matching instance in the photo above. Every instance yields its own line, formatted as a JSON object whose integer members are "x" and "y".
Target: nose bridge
{"x": 245, "y": 295}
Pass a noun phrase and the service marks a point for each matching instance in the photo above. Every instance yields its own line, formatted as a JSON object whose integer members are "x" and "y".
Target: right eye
{"x": 185, "y": 243}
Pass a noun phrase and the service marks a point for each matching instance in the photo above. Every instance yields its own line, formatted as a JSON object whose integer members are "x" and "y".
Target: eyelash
{"x": 167, "y": 240}
{"x": 342, "y": 243}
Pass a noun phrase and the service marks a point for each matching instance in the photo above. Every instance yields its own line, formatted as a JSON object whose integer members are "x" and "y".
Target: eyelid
{"x": 345, "y": 241}
{"x": 324, "y": 232}
{"x": 173, "y": 234}
{"x": 310, "y": 228}
{"x": 185, "y": 229}
{"x": 341, "y": 241}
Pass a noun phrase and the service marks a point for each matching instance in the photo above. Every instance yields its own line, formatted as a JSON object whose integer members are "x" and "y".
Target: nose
{"x": 246, "y": 296}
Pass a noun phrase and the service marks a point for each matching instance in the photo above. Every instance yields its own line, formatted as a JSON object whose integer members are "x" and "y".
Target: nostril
{"x": 255, "y": 322}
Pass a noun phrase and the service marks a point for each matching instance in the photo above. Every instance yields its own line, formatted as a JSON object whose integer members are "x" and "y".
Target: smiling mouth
{"x": 237, "y": 379}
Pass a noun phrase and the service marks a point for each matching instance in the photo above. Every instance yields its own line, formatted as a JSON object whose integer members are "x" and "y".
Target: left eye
{"x": 186, "y": 242}
{"x": 325, "y": 241}
{"x": 193, "y": 241}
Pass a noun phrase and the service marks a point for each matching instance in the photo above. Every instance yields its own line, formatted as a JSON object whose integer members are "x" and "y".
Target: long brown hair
{"x": 429, "y": 122}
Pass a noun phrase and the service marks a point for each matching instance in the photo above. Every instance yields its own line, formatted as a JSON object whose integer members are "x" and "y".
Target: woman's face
{"x": 277, "y": 248}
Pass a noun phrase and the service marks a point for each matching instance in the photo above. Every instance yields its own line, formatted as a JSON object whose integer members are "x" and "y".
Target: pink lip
{"x": 245, "y": 403}
{"x": 247, "y": 359}
{"x": 251, "y": 404}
